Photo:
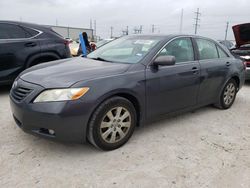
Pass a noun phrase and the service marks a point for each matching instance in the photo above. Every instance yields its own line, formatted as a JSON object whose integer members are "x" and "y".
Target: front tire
{"x": 112, "y": 124}
{"x": 228, "y": 95}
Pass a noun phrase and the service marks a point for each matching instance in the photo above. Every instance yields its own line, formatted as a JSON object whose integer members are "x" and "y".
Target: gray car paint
{"x": 155, "y": 91}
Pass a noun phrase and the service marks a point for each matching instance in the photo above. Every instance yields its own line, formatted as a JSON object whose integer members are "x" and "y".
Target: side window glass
{"x": 3, "y": 32}
{"x": 222, "y": 54}
{"x": 207, "y": 49}
{"x": 181, "y": 48}
{"x": 11, "y": 31}
{"x": 30, "y": 32}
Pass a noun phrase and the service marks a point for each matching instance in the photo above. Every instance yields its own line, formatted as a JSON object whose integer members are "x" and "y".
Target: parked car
{"x": 124, "y": 84}
{"x": 23, "y": 45}
{"x": 74, "y": 46}
{"x": 228, "y": 44}
{"x": 103, "y": 42}
{"x": 242, "y": 49}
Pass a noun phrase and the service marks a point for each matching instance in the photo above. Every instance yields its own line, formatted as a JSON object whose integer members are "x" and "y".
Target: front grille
{"x": 20, "y": 92}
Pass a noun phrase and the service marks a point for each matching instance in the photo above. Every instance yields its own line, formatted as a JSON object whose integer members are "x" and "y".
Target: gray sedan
{"x": 124, "y": 84}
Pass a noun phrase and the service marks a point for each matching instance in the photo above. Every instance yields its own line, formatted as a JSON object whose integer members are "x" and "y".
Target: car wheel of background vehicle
{"x": 112, "y": 124}
{"x": 41, "y": 60}
{"x": 228, "y": 95}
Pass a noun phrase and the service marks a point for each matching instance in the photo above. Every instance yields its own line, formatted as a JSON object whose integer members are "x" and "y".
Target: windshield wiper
{"x": 101, "y": 59}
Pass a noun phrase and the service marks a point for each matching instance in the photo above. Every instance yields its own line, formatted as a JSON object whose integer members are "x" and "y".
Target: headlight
{"x": 61, "y": 94}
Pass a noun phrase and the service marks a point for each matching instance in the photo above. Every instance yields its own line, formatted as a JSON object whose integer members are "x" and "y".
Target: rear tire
{"x": 228, "y": 95}
{"x": 112, "y": 124}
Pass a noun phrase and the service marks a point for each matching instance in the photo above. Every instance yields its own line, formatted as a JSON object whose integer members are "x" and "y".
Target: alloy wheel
{"x": 229, "y": 94}
{"x": 115, "y": 125}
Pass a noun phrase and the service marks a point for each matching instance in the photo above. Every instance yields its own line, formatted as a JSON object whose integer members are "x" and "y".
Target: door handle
{"x": 228, "y": 64}
{"x": 195, "y": 70}
{"x": 30, "y": 44}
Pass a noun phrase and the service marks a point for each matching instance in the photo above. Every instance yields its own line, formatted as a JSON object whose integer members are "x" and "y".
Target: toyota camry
{"x": 126, "y": 83}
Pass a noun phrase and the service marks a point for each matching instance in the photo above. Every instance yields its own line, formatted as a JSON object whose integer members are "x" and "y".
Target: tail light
{"x": 247, "y": 63}
{"x": 66, "y": 42}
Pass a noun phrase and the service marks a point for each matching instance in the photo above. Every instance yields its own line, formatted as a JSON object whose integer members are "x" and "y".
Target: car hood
{"x": 242, "y": 34}
{"x": 65, "y": 73}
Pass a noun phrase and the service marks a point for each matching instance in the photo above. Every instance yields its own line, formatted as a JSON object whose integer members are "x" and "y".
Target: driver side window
{"x": 181, "y": 48}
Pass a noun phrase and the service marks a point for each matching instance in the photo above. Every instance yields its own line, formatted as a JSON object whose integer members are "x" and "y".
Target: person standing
{"x": 86, "y": 48}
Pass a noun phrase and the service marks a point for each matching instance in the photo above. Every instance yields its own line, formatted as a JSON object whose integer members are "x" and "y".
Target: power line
{"x": 197, "y": 19}
{"x": 226, "y": 30}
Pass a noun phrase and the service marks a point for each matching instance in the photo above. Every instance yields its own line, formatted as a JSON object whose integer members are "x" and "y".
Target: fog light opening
{"x": 51, "y": 132}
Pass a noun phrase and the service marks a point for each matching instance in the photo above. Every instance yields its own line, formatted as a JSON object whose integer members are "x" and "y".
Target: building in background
{"x": 73, "y": 32}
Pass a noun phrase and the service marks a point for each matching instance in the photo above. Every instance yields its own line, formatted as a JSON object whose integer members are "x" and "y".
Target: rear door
{"x": 16, "y": 44}
{"x": 215, "y": 65}
{"x": 172, "y": 88}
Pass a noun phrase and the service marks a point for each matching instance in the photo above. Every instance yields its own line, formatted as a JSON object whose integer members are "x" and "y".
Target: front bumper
{"x": 67, "y": 119}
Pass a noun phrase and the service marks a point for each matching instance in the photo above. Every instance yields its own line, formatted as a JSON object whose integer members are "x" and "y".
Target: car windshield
{"x": 124, "y": 50}
{"x": 102, "y": 42}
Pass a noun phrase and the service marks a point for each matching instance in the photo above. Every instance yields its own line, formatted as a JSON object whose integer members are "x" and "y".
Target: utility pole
{"x": 197, "y": 19}
{"x": 94, "y": 29}
{"x": 226, "y": 30}
{"x": 90, "y": 26}
{"x": 111, "y": 32}
{"x": 140, "y": 30}
{"x": 135, "y": 30}
{"x": 125, "y": 32}
{"x": 181, "y": 22}
{"x": 153, "y": 28}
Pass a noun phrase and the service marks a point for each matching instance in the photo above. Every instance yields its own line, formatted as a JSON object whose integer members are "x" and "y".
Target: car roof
{"x": 26, "y": 24}
{"x": 166, "y": 36}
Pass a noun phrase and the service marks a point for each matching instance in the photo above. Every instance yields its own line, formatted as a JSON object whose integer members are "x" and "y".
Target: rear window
{"x": 31, "y": 32}
{"x": 207, "y": 49}
{"x": 222, "y": 54}
{"x": 57, "y": 34}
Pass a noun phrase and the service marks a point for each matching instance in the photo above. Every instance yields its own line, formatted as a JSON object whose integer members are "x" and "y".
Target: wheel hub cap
{"x": 115, "y": 125}
{"x": 229, "y": 94}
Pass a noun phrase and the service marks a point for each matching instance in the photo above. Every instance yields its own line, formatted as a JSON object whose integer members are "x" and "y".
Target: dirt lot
{"x": 207, "y": 148}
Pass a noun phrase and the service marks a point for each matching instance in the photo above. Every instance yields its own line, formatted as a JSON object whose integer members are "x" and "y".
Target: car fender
{"x": 122, "y": 92}
{"x": 40, "y": 55}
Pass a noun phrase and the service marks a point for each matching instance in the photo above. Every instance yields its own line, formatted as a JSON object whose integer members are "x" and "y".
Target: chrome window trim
{"x": 39, "y": 33}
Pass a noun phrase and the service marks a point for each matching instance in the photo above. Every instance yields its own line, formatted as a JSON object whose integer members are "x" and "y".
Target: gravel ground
{"x": 207, "y": 148}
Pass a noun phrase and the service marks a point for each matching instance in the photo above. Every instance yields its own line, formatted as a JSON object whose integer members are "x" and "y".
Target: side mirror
{"x": 165, "y": 60}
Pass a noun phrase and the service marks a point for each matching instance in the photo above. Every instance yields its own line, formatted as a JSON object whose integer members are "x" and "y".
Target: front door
{"x": 175, "y": 87}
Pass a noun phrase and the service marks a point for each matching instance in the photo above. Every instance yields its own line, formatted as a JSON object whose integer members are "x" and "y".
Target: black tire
{"x": 222, "y": 104}
{"x": 41, "y": 60}
{"x": 95, "y": 131}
